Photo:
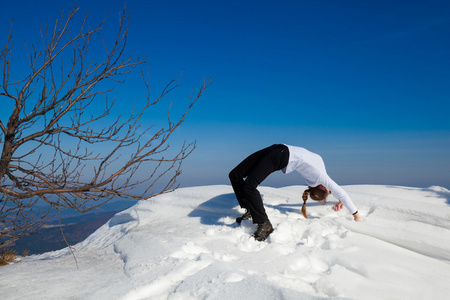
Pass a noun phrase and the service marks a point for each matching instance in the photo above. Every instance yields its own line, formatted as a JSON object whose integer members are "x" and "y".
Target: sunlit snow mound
{"x": 185, "y": 245}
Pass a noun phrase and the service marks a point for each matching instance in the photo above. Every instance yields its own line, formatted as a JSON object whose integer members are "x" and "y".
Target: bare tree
{"x": 51, "y": 141}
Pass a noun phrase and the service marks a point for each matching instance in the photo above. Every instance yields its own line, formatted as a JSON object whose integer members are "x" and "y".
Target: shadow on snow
{"x": 213, "y": 210}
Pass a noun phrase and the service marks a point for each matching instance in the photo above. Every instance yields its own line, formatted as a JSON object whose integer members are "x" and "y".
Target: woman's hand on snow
{"x": 338, "y": 206}
{"x": 357, "y": 217}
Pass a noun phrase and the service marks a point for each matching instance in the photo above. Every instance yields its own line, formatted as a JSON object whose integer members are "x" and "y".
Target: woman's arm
{"x": 338, "y": 193}
{"x": 340, "y": 206}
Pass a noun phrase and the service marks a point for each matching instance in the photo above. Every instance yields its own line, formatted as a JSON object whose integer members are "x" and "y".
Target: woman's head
{"x": 317, "y": 193}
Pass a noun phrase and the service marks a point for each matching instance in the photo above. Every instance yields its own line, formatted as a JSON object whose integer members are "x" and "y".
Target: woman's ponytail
{"x": 305, "y": 197}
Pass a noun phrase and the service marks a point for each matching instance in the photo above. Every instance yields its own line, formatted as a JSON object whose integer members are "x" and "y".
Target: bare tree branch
{"x": 51, "y": 142}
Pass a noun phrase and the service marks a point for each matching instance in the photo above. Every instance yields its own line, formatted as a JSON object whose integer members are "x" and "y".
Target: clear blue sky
{"x": 366, "y": 84}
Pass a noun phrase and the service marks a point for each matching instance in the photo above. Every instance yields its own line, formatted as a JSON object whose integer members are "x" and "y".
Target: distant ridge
{"x": 76, "y": 228}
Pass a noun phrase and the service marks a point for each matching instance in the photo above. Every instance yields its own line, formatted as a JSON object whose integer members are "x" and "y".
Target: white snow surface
{"x": 185, "y": 245}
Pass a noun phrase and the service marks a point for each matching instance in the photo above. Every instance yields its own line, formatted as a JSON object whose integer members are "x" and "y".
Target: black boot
{"x": 245, "y": 216}
{"x": 263, "y": 231}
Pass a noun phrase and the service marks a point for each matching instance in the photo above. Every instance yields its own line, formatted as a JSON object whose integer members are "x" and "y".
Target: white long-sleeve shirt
{"x": 310, "y": 165}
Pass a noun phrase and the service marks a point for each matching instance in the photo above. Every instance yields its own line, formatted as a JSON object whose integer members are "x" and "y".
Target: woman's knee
{"x": 249, "y": 186}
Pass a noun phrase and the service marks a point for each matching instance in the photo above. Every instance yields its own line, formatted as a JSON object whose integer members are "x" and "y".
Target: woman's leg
{"x": 257, "y": 174}
{"x": 241, "y": 171}
{"x": 256, "y": 168}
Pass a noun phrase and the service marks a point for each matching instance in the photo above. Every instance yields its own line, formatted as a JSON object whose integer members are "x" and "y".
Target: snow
{"x": 185, "y": 245}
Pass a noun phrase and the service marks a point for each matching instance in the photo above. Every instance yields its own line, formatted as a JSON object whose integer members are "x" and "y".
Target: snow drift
{"x": 185, "y": 245}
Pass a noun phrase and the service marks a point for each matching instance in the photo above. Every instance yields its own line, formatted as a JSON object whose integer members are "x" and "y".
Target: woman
{"x": 261, "y": 164}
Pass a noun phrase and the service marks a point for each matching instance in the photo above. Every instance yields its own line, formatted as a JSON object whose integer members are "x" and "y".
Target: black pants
{"x": 255, "y": 169}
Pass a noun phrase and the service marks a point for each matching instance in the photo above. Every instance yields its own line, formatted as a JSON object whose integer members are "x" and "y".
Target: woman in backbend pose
{"x": 246, "y": 177}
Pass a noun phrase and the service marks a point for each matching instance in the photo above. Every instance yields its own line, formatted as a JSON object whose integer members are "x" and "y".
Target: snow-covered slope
{"x": 185, "y": 245}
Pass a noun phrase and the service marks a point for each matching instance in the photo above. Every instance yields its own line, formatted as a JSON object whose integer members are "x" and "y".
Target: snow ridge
{"x": 186, "y": 245}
